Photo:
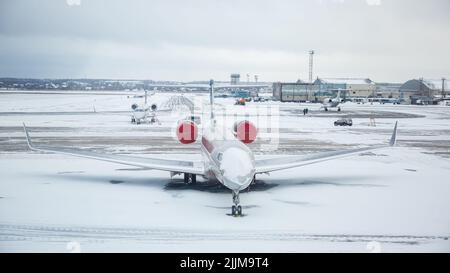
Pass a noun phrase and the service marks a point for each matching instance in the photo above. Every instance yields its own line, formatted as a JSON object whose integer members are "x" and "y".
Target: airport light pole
{"x": 211, "y": 97}
{"x": 311, "y": 63}
{"x": 443, "y": 88}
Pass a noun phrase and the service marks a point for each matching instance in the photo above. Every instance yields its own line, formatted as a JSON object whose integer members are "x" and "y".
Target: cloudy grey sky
{"x": 386, "y": 40}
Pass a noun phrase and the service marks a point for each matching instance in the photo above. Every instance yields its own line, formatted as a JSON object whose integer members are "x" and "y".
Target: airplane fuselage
{"x": 230, "y": 161}
{"x": 140, "y": 113}
{"x": 332, "y": 104}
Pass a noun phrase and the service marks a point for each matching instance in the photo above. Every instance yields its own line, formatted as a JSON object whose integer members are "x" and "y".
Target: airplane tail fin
{"x": 394, "y": 136}
{"x": 30, "y": 144}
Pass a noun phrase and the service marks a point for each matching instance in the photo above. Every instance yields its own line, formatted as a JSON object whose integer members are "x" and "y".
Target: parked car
{"x": 259, "y": 99}
{"x": 343, "y": 122}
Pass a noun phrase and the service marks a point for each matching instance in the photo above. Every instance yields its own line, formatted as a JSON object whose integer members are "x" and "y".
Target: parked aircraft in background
{"x": 144, "y": 113}
{"x": 332, "y": 102}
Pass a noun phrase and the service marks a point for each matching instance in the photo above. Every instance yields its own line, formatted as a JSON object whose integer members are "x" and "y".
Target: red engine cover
{"x": 187, "y": 132}
{"x": 246, "y": 132}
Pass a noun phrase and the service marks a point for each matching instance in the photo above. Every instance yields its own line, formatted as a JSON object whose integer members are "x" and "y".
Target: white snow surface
{"x": 396, "y": 198}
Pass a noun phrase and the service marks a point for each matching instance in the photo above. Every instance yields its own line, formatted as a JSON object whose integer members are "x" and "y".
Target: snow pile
{"x": 178, "y": 102}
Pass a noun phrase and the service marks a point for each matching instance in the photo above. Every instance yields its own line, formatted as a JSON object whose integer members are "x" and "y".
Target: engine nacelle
{"x": 153, "y": 107}
{"x": 245, "y": 131}
{"x": 187, "y": 132}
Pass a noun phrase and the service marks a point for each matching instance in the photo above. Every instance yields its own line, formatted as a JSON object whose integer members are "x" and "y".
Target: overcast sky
{"x": 386, "y": 40}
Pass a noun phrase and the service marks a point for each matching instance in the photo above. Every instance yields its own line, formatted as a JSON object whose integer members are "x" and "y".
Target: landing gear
{"x": 339, "y": 109}
{"x": 252, "y": 183}
{"x": 133, "y": 120}
{"x": 326, "y": 109}
{"x": 190, "y": 178}
{"x": 236, "y": 209}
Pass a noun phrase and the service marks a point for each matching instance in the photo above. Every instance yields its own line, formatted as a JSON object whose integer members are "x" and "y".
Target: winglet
{"x": 28, "y": 136}
{"x": 394, "y": 136}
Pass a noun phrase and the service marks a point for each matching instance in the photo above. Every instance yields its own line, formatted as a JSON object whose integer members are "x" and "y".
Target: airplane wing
{"x": 282, "y": 163}
{"x": 192, "y": 167}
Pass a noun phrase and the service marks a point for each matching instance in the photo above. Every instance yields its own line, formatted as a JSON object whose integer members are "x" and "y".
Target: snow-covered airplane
{"x": 332, "y": 102}
{"x": 229, "y": 160}
{"x": 144, "y": 113}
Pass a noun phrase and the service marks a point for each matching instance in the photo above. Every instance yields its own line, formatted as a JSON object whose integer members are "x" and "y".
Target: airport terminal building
{"x": 349, "y": 87}
{"x": 294, "y": 92}
{"x": 415, "y": 91}
{"x": 324, "y": 87}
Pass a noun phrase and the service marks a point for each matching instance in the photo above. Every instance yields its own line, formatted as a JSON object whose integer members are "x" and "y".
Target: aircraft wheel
{"x": 339, "y": 109}
{"x": 233, "y": 210}
{"x": 190, "y": 178}
{"x": 239, "y": 210}
{"x": 326, "y": 109}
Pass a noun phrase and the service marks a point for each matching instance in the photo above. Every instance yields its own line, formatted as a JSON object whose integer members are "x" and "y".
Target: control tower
{"x": 235, "y": 78}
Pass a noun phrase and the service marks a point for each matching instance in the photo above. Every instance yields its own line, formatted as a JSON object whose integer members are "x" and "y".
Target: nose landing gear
{"x": 190, "y": 179}
{"x": 236, "y": 209}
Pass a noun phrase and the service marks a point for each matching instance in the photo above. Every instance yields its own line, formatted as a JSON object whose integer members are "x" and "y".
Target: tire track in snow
{"x": 10, "y": 232}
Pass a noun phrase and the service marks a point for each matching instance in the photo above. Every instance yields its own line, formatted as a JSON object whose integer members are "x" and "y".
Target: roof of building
{"x": 430, "y": 84}
{"x": 346, "y": 80}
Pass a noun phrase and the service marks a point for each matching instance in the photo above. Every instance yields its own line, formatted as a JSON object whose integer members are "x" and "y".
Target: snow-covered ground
{"x": 392, "y": 200}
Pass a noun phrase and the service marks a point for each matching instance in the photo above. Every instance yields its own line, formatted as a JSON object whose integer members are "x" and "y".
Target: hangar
{"x": 424, "y": 91}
